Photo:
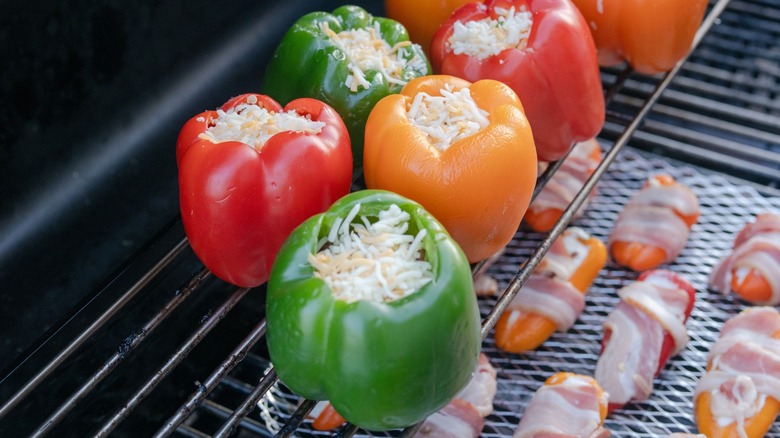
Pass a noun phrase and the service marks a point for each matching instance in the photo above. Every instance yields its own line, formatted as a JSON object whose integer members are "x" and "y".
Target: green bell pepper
{"x": 308, "y": 63}
{"x": 382, "y": 365}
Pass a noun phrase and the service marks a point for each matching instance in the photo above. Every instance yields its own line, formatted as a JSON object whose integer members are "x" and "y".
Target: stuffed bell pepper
{"x": 252, "y": 171}
{"x": 349, "y": 59}
{"x": 543, "y": 49}
{"x": 464, "y": 151}
{"x": 651, "y": 35}
{"x": 371, "y": 306}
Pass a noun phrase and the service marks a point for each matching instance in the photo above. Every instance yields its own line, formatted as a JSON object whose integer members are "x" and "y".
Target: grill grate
{"x": 722, "y": 111}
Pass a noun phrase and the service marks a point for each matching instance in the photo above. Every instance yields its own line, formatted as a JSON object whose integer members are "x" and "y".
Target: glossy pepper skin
{"x": 308, "y": 64}
{"x": 382, "y": 365}
{"x": 556, "y": 75}
{"x": 422, "y": 18}
{"x": 651, "y": 35}
{"x": 480, "y": 187}
{"x": 238, "y": 204}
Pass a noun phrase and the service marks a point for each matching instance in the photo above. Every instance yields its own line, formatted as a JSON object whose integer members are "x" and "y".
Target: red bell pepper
{"x": 555, "y": 73}
{"x": 239, "y": 202}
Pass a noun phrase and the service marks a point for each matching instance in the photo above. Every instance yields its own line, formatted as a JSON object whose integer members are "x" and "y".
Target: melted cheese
{"x": 487, "y": 37}
{"x": 447, "y": 118}
{"x": 366, "y": 50}
{"x": 378, "y": 261}
{"x": 253, "y": 125}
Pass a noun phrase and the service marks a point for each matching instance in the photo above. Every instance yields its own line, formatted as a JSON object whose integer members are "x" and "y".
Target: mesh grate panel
{"x": 725, "y": 208}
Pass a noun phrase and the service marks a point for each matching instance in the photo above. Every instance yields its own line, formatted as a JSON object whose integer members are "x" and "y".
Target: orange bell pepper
{"x": 651, "y": 35}
{"x": 480, "y": 187}
{"x": 422, "y": 18}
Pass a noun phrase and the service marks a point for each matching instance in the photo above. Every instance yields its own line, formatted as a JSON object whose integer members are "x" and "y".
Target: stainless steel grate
{"x": 720, "y": 110}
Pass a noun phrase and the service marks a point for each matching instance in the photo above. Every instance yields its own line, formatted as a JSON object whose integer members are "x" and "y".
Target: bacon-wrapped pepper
{"x": 752, "y": 270}
{"x": 553, "y": 297}
{"x": 641, "y": 333}
{"x": 653, "y": 227}
{"x": 739, "y": 395}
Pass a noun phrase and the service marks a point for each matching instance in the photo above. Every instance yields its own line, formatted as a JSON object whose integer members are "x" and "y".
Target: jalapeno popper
{"x": 752, "y": 270}
{"x": 567, "y": 405}
{"x": 348, "y": 59}
{"x": 653, "y": 227}
{"x": 252, "y": 171}
{"x": 464, "y": 151}
{"x": 371, "y": 306}
{"x": 739, "y": 395}
{"x": 564, "y": 185}
{"x": 641, "y": 333}
{"x": 553, "y": 297}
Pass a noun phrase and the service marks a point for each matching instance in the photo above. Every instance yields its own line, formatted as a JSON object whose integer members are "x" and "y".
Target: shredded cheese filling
{"x": 254, "y": 125}
{"x": 366, "y": 50}
{"x": 489, "y": 37}
{"x": 378, "y": 261}
{"x": 447, "y": 118}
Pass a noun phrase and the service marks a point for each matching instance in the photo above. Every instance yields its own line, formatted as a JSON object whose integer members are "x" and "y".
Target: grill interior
{"x": 164, "y": 347}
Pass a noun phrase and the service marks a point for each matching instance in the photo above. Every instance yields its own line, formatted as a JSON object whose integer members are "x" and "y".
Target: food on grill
{"x": 250, "y": 172}
{"x": 349, "y": 59}
{"x": 543, "y": 50}
{"x": 421, "y": 18}
{"x": 464, "y": 151}
{"x": 739, "y": 395}
{"x": 641, "y": 333}
{"x": 371, "y": 305}
{"x": 653, "y": 227}
{"x": 651, "y": 36}
{"x": 567, "y": 405}
{"x": 564, "y": 185}
{"x": 553, "y": 297}
{"x": 752, "y": 269}
{"x": 462, "y": 417}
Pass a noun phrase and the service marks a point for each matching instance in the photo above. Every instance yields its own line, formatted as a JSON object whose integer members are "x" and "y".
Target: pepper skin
{"x": 651, "y": 35}
{"x": 480, "y": 187}
{"x": 308, "y": 64}
{"x": 382, "y": 365}
{"x": 422, "y": 18}
{"x": 239, "y": 204}
{"x": 556, "y": 75}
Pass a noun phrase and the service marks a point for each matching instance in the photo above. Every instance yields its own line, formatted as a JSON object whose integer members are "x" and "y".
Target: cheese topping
{"x": 366, "y": 50}
{"x": 447, "y": 118}
{"x": 376, "y": 261}
{"x": 254, "y": 125}
{"x": 488, "y": 37}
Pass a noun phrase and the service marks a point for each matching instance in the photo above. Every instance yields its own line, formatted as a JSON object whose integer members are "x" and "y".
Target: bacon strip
{"x": 634, "y": 336}
{"x": 652, "y": 217}
{"x": 757, "y": 247}
{"x": 568, "y": 408}
{"x": 464, "y": 416}
{"x": 568, "y": 180}
{"x": 555, "y": 299}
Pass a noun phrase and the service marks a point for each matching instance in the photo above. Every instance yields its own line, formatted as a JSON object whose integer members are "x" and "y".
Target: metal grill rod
{"x": 92, "y": 329}
{"x": 119, "y": 356}
{"x": 172, "y": 362}
{"x": 213, "y": 380}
